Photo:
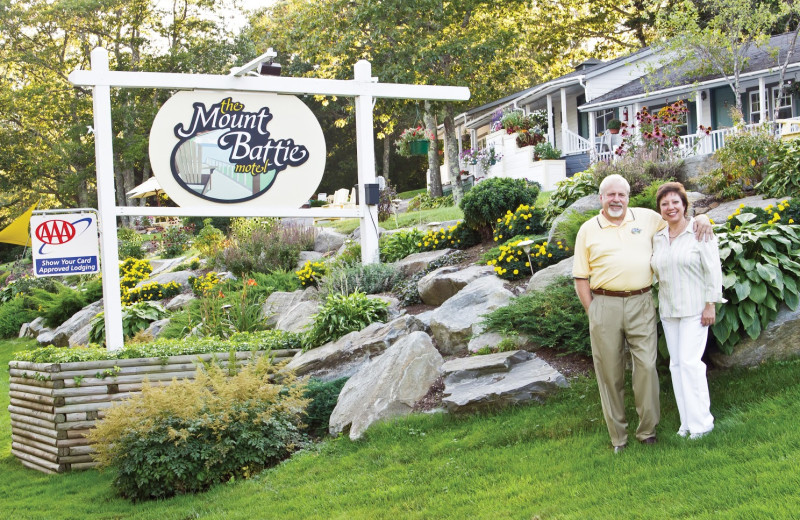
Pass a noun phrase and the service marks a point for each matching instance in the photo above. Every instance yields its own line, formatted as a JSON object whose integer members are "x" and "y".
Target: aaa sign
{"x": 64, "y": 244}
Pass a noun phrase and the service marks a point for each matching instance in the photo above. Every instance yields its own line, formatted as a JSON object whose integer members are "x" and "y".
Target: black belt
{"x": 620, "y": 294}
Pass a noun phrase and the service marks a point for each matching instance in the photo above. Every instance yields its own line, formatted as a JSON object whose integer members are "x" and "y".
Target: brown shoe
{"x": 650, "y": 440}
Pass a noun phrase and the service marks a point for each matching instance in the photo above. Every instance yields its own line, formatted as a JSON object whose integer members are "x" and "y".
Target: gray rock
{"x": 492, "y": 339}
{"x": 279, "y": 303}
{"x": 417, "y": 262}
{"x": 545, "y": 277}
{"x": 497, "y": 380}
{"x": 36, "y": 327}
{"x": 721, "y": 212}
{"x": 425, "y": 319}
{"x": 157, "y": 327}
{"x": 387, "y": 387}
{"x": 180, "y": 301}
{"x": 779, "y": 341}
{"x": 161, "y": 265}
{"x": 582, "y": 205}
{"x": 24, "y": 331}
{"x": 356, "y": 234}
{"x": 60, "y": 336}
{"x": 80, "y": 338}
{"x": 306, "y": 256}
{"x": 694, "y": 167}
{"x": 694, "y": 196}
{"x": 438, "y": 286}
{"x": 345, "y": 356}
{"x": 328, "y": 240}
{"x": 298, "y": 317}
{"x": 458, "y": 319}
{"x": 180, "y": 277}
{"x": 226, "y": 275}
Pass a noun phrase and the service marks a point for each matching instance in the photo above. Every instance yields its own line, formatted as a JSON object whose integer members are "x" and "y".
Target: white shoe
{"x": 700, "y": 435}
{"x": 683, "y": 433}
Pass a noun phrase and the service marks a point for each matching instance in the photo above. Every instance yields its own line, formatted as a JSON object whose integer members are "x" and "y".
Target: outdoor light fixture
{"x": 703, "y": 95}
{"x": 526, "y": 246}
{"x": 269, "y": 68}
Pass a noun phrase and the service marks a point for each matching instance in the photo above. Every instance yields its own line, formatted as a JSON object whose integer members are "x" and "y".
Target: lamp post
{"x": 526, "y": 246}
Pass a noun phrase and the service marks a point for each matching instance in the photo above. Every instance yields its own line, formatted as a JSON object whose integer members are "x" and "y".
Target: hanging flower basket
{"x": 414, "y": 141}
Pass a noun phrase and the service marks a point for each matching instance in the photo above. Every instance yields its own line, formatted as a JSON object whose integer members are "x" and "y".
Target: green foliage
{"x": 425, "y": 201}
{"x": 553, "y": 318}
{"x": 209, "y": 240}
{"x": 568, "y": 191}
{"x": 130, "y": 243}
{"x": 647, "y": 197}
{"x": 567, "y": 229}
{"x": 162, "y": 347}
{"x": 322, "y": 396}
{"x": 12, "y": 315}
{"x": 187, "y": 436}
{"x": 396, "y": 246}
{"x": 135, "y": 317}
{"x": 406, "y": 290}
{"x": 264, "y": 247}
{"x": 175, "y": 240}
{"x": 760, "y": 271}
{"x": 369, "y": 278}
{"x": 230, "y": 308}
{"x": 492, "y": 198}
{"x": 786, "y": 212}
{"x": 526, "y": 220}
{"x": 350, "y": 255}
{"x": 311, "y": 273}
{"x": 546, "y": 151}
{"x": 26, "y": 285}
{"x": 203, "y": 284}
{"x": 56, "y": 307}
{"x": 640, "y": 172}
{"x": 242, "y": 228}
{"x": 512, "y": 263}
{"x": 343, "y": 313}
{"x": 459, "y": 236}
{"x": 385, "y": 204}
{"x": 744, "y": 161}
{"x": 783, "y": 174}
{"x": 132, "y": 271}
{"x": 151, "y": 291}
{"x": 285, "y": 281}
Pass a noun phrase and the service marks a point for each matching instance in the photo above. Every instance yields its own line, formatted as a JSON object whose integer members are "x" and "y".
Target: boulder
{"x": 306, "y": 256}
{"x": 458, "y": 319}
{"x": 180, "y": 277}
{"x": 721, "y": 212}
{"x": 328, "y": 240}
{"x": 34, "y": 328}
{"x": 582, "y": 205}
{"x": 425, "y": 319}
{"x": 297, "y": 317}
{"x": 438, "y": 286}
{"x": 492, "y": 339}
{"x": 345, "y": 356}
{"x": 80, "y": 338}
{"x": 165, "y": 264}
{"x": 417, "y": 262}
{"x": 60, "y": 336}
{"x": 180, "y": 301}
{"x": 696, "y": 166}
{"x": 693, "y": 197}
{"x": 497, "y": 380}
{"x": 545, "y": 277}
{"x": 279, "y": 302}
{"x": 388, "y": 386}
{"x": 779, "y": 341}
{"x": 157, "y": 327}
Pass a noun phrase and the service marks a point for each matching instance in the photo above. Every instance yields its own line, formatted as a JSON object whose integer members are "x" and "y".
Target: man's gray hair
{"x": 614, "y": 178}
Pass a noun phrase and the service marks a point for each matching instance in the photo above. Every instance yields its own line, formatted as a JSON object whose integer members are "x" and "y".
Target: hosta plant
{"x": 341, "y": 314}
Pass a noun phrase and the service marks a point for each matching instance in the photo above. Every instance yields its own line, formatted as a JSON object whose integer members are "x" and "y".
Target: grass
{"x": 407, "y": 219}
{"x": 549, "y": 461}
{"x": 411, "y": 194}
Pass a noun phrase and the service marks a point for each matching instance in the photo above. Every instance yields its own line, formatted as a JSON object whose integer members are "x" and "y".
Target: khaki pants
{"x": 612, "y": 320}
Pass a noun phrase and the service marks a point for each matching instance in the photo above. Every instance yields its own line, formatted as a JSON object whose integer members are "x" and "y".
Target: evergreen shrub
{"x": 492, "y": 198}
{"x": 369, "y": 278}
{"x": 322, "y": 396}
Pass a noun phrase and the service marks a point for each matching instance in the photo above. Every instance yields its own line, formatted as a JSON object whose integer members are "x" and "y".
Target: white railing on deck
{"x": 573, "y": 143}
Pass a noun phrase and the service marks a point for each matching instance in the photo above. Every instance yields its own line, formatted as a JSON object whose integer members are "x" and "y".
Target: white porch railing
{"x": 574, "y": 144}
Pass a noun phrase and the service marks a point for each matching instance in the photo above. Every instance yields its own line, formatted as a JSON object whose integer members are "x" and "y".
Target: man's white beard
{"x": 615, "y": 213}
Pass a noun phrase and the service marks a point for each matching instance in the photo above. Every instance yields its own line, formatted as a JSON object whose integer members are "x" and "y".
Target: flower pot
{"x": 419, "y": 147}
{"x": 613, "y": 130}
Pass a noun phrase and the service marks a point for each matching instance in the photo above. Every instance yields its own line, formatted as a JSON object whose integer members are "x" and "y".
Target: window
{"x": 602, "y": 118}
{"x": 784, "y": 104}
{"x": 755, "y": 107}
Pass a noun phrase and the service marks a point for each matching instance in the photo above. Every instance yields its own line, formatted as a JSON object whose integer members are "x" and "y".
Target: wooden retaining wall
{"x": 53, "y": 405}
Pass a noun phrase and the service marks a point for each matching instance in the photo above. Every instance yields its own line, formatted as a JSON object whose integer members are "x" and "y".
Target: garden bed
{"x": 53, "y": 405}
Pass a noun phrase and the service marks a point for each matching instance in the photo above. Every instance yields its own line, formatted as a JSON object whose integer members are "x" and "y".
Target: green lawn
{"x": 407, "y": 219}
{"x": 549, "y": 461}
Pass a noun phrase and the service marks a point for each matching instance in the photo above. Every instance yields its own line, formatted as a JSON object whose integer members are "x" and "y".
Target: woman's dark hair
{"x": 673, "y": 187}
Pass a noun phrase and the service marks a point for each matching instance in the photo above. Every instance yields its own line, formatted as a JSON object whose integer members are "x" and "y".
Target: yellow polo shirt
{"x": 617, "y": 257}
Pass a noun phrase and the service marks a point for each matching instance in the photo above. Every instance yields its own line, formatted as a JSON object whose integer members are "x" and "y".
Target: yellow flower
{"x": 516, "y": 271}
{"x": 791, "y": 221}
{"x": 527, "y": 264}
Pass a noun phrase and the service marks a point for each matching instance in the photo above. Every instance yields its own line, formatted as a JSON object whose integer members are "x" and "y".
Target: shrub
{"x": 132, "y": 271}
{"x": 546, "y": 151}
{"x": 350, "y": 255}
{"x": 175, "y": 241}
{"x": 130, "y": 243}
{"x": 12, "y": 315}
{"x": 265, "y": 250}
{"x": 512, "y": 263}
{"x": 135, "y": 317}
{"x": 343, "y": 313}
{"x": 567, "y": 229}
{"x": 151, "y": 291}
{"x": 242, "y": 228}
{"x": 786, "y": 212}
{"x": 385, "y": 205}
{"x": 322, "y": 396}
{"x": 567, "y": 192}
{"x": 26, "y": 285}
{"x": 553, "y": 318}
{"x": 640, "y": 172}
{"x": 760, "y": 271}
{"x": 189, "y": 435}
{"x": 783, "y": 174}
{"x": 490, "y": 199}
{"x": 209, "y": 240}
{"x": 744, "y": 161}
{"x": 203, "y": 284}
{"x": 526, "y": 220}
{"x": 370, "y": 279}
{"x": 311, "y": 273}
{"x": 459, "y": 236}
{"x": 406, "y": 290}
{"x": 56, "y": 307}
{"x": 425, "y": 201}
{"x": 285, "y": 281}
{"x": 396, "y": 246}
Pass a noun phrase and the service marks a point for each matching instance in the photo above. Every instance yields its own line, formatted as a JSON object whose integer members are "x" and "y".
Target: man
{"x": 612, "y": 278}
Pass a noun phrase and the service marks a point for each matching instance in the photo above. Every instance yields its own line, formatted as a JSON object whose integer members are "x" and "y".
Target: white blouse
{"x": 688, "y": 271}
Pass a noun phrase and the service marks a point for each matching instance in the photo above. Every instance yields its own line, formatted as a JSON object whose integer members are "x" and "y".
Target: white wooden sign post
{"x": 364, "y": 88}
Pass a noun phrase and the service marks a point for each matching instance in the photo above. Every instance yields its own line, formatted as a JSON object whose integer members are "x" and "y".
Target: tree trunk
{"x": 434, "y": 174}
{"x": 451, "y": 145}
{"x": 387, "y": 149}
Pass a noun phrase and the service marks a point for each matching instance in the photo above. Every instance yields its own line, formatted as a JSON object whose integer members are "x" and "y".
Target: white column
{"x": 593, "y": 129}
{"x": 106, "y": 204}
{"x": 365, "y": 154}
{"x": 762, "y": 100}
{"x": 473, "y": 139}
{"x": 551, "y": 136}
{"x": 564, "y": 124}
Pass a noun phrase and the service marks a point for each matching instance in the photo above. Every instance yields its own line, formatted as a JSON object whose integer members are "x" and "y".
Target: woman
{"x": 690, "y": 284}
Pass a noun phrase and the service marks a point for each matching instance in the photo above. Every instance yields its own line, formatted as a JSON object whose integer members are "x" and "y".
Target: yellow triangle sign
{"x": 18, "y": 232}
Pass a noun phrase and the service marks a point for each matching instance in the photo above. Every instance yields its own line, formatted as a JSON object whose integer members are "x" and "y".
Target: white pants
{"x": 686, "y": 341}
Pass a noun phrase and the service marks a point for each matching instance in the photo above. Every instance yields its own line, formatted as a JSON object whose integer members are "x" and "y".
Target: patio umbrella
{"x": 148, "y": 188}
{"x": 18, "y": 231}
